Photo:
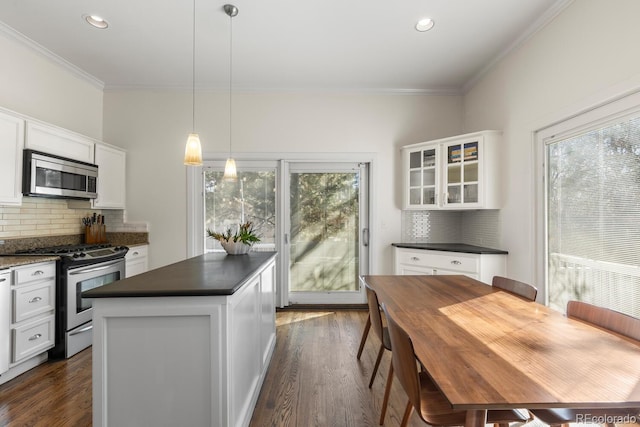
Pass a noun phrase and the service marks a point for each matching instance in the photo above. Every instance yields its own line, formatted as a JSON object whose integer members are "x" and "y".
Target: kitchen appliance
{"x": 46, "y": 175}
{"x": 81, "y": 267}
{"x": 5, "y": 319}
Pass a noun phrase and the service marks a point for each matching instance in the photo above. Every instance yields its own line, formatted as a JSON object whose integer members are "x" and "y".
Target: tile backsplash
{"x": 478, "y": 227}
{"x": 53, "y": 217}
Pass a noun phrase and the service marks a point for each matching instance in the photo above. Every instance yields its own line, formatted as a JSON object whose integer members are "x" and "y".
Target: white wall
{"x": 33, "y": 85}
{"x": 153, "y": 126}
{"x": 586, "y": 55}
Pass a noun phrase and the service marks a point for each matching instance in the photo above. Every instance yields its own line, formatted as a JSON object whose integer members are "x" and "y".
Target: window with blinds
{"x": 593, "y": 216}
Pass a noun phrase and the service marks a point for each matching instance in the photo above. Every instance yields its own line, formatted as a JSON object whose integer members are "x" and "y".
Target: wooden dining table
{"x": 489, "y": 349}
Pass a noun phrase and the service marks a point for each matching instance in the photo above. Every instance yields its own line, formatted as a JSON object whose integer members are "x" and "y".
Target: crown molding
{"x": 46, "y": 53}
{"x": 445, "y": 90}
{"x": 549, "y": 15}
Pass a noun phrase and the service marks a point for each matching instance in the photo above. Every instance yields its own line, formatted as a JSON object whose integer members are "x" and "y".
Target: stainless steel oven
{"x": 80, "y": 268}
{"x": 78, "y": 333}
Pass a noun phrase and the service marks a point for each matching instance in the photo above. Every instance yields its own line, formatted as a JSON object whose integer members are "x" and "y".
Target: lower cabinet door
{"x": 33, "y": 338}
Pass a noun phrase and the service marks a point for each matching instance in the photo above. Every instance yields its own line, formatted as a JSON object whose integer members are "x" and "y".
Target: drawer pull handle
{"x": 35, "y": 299}
{"x": 415, "y": 258}
{"x": 35, "y": 337}
{"x": 135, "y": 253}
{"x": 37, "y": 273}
{"x": 2, "y": 279}
{"x": 456, "y": 262}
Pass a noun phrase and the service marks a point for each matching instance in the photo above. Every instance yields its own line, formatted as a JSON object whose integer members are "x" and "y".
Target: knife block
{"x": 95, "y": 233}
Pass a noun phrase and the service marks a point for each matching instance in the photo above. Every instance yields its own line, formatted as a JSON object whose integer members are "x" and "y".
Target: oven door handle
{"x": 91, "y": 270}
{"x": 79, "y": 331}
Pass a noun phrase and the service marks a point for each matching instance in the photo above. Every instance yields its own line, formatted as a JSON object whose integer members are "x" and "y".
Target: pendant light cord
{"x": 230, "y": 77}
{"x": 193, "y": 70}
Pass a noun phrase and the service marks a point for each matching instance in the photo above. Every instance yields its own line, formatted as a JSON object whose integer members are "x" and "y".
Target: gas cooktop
{"x": 77, "y": 253}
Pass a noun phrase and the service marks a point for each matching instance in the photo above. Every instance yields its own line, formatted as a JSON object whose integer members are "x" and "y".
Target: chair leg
{"x": 387, "y": 392}
{"x": 375, "y": 368}
{"x": 407, "y": 414}
{"x": 365, "y": 333}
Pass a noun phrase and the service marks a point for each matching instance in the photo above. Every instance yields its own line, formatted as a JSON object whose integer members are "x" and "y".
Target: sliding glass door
{"x": 314, "y": 214}
{"x": 327, "y": 234}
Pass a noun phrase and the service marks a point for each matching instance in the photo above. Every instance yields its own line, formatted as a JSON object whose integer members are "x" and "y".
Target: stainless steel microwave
{"x": 46, "y": 175}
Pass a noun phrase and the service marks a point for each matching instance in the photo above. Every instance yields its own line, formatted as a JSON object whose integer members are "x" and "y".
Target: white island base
{"x": 183, "y": 360}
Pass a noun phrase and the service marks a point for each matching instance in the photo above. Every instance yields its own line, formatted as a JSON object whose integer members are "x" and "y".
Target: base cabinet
{"x": 477, "y": 266}
{"x": 137, "y": 260}
{"x": 187, "y": 360}
{"x": 33, "y": 310}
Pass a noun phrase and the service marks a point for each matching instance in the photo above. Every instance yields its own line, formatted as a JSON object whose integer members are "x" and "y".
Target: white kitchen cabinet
{"x": 460, "y": 172}
{"x": 111, "y": 163}
{"x": 33, "y": 310}
{"x": 213, "y": 352}
{"x": 137, "y": 260}
{"x": 480, "y": 266}
{"x": 58, "y": 141}
{"x": 5, "y": 320}
{"x": 11, "y": 146}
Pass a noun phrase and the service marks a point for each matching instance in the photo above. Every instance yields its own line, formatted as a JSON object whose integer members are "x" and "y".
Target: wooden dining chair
{"x": 424, "y": 396}
{"x": 382, "y": 333}
{"x": 611, "y": 321}
{"x": 365, "y": 334}
{"x": 521, "y": 289}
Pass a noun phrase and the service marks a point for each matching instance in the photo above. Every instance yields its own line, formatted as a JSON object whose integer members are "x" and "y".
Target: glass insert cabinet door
{"x": 423, "y": 177}
{"x": 461, "y": 177}
{"x": 456, "y": 173}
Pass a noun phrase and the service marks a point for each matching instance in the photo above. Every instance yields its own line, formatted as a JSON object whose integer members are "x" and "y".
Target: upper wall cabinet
{"x": 111, "y": 163}
{"x": 11, "y": 145}
{"x": 61, "y": 142}
{"x": 456, "y": 173}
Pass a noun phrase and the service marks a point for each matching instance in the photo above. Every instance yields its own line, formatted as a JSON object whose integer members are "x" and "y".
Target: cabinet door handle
{"x": 37, "y": 273}
{"x": 35, "y": 337}
{"x": 456, "y": 262}
{"x": 34, "y": 299}
{"x": 415, "y": 258}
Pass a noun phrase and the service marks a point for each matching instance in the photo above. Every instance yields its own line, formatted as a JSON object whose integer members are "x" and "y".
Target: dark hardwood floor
{"x": 314, "y": 380}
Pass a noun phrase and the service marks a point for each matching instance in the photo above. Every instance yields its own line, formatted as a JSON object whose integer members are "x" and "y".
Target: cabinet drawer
{"x": 452, "y": 262}
{"x": 32, "y": 338}
{"x": 31, "y": 300}
{"x": 35, "y": 272}
{"x": 136, "y": 252}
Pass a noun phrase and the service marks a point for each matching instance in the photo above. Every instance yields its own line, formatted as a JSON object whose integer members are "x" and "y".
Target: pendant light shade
{"x": 193, "y": 149}
{"x": 230, "y": 173}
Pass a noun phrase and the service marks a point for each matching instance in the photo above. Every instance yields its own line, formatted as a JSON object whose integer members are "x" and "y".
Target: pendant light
{"x": 193, "y": 149}
{"x": 230, "y": 173}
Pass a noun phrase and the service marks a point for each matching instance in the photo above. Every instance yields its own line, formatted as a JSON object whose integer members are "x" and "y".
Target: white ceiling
{"x": 280, "y": 44}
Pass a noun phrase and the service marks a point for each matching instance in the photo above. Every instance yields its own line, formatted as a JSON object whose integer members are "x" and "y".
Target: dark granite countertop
{"x": 205, "y": 275}
{"x": 7, "y": 261}
{"x": 451, "y": 247}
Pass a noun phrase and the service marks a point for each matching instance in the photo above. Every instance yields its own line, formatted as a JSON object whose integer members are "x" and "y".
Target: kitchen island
{"x": 185, "y": 344}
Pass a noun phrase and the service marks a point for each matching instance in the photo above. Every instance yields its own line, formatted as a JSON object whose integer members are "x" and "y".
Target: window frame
{"x": 593, "y": 117}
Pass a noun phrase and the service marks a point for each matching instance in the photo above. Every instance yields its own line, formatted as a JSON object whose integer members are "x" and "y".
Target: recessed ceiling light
{"x": 425, "y": 24}
{"x": 96, "y": 21}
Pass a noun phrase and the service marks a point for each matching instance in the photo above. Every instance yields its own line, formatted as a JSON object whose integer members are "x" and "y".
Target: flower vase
{"x": 235, "y": 248}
